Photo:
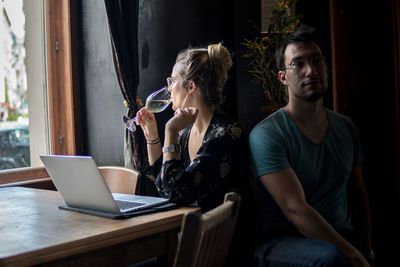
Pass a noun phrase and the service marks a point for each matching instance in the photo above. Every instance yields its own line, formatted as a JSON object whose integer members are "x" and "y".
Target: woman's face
{"x": 176, "y": 89}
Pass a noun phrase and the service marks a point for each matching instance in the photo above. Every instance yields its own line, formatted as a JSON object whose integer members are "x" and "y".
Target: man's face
{"x": 306, "y": 74}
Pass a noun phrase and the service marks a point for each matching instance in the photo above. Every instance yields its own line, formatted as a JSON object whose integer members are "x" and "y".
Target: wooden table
{"x": 33, "y": 230}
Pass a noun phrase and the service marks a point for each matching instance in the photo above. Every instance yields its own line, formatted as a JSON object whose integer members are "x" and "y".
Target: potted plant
{"x": 261, "y": 52}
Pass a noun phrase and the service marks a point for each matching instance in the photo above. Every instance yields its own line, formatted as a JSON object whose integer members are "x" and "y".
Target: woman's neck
{"x": 203, "y": 119}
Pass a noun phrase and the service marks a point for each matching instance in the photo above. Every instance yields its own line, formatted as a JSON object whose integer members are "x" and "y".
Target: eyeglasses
{"x": 298, "y": 64}
{"x": 171, "y": 80}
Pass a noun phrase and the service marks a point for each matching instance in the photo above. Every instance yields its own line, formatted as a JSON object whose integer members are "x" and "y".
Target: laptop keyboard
{"x": 123, "y": 205}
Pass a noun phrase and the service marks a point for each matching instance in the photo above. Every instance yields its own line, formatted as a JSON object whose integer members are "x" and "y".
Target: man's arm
{"x": 285, "y": 188}
{"x": 361, "y": 208}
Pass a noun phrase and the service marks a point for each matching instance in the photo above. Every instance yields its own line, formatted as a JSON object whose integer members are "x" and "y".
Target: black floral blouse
{"x": 220, "y": 166}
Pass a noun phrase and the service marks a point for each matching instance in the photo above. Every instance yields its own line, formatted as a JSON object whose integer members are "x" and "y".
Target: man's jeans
{"x": 286, "y": 250}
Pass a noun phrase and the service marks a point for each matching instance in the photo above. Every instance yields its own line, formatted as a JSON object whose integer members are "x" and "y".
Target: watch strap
{"x": 172, "y": 148}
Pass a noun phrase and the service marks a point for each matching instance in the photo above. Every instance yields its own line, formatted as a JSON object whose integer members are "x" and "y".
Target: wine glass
{"x": 156, "y": 102}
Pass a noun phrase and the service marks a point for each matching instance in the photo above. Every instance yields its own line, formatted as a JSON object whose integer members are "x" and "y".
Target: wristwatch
{"x": 172, "y": 148}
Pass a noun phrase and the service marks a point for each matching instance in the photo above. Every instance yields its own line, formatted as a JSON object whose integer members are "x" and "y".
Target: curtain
{"x": 122, "y": 18}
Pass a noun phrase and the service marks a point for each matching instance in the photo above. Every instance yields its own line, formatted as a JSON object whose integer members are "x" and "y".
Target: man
{"x": 305, "y": 159}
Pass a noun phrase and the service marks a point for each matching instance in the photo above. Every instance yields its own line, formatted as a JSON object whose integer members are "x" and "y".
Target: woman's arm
{"x": 148, "y": 123}
{"x": 211, "y": 174}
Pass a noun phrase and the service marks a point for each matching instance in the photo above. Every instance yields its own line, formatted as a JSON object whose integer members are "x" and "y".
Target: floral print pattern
{"x": 220, "y": 166}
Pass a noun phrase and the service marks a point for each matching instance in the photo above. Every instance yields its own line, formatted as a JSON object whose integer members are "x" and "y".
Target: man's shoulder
{"x": 337, "y": 115}
{"x": 339, "y": 119}
{"x": 269, "y": 123}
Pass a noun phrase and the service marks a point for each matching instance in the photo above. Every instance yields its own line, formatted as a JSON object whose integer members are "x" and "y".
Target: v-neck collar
{"x": 186, "y": 141}
{"x": 303, "y": 135}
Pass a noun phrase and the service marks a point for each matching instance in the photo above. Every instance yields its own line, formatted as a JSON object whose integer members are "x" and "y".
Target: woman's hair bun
{"x": 220, "y": 55}
{"x": 208, "y": 67}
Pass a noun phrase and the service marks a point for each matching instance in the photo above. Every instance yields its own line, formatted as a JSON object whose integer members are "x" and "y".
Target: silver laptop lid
{"x": 80, "y": 182}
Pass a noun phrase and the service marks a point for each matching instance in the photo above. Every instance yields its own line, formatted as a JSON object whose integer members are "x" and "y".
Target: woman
{"x": 201, "y": 158}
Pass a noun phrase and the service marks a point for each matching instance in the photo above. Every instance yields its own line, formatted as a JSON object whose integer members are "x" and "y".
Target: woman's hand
{"x": 148, "y": 123}
{"x": 183, "y": 118}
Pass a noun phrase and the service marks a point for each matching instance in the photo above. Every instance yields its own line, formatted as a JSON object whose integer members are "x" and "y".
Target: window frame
{"x": 65, "y": 121}
{"x": 36, "y": 79}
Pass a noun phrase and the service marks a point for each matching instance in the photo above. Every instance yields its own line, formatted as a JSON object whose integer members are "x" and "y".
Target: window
{"x": 51, "y": 77}
{"x": 13, "y": 87}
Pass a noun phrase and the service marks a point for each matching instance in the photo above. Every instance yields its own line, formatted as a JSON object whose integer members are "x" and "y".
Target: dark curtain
{"x": 123, "y": 28}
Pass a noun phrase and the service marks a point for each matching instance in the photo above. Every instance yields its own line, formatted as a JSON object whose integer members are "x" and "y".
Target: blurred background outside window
{"x": 14, "y": 123}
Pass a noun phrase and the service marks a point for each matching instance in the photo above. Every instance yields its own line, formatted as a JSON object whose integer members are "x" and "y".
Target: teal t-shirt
{"x": 277, "y": 144}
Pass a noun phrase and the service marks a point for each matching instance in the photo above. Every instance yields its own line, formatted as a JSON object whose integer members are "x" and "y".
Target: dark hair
{"x": 304, "y": 34}
{"x": 208, "y": 68}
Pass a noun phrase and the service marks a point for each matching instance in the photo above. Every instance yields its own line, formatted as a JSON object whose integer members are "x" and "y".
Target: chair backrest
{"x": 119, "y": 179}
{"x": 206, "y": 238}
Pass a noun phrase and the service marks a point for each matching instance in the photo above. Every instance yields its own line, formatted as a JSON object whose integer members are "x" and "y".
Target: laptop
{"x": 83, "y": 189}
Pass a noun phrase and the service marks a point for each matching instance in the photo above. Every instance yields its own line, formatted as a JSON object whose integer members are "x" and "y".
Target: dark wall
{"x": 370, "y": 99}
{"x": 102, "y": 101}
{"x": 250, "y": 96}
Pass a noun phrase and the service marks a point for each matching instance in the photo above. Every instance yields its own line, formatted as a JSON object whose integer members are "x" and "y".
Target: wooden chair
{"x": 118, "y": 179}
{"x": 206, "y": 238}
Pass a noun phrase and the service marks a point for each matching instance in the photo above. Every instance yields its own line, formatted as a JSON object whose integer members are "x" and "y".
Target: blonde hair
{"x": 208, "y": 68}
